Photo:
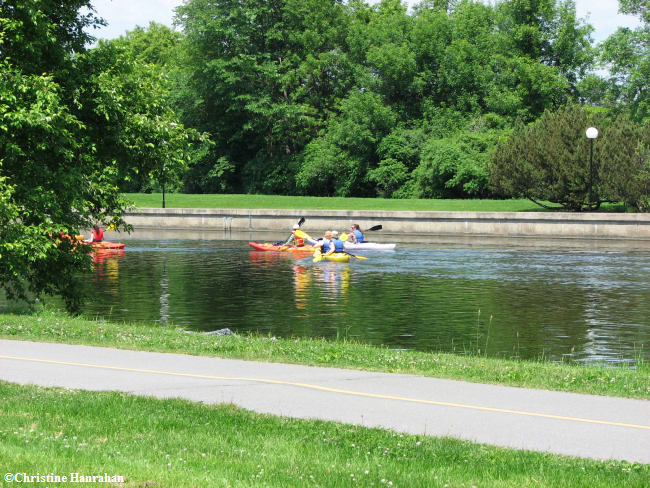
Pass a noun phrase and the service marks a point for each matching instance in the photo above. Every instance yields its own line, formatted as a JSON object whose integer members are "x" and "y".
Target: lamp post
{"x": 592, "y": 133}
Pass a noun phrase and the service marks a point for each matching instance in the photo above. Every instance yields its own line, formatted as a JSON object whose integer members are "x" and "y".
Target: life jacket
{"x": 326, "y": 246}
{"x": 338, "y": 245}
{"x": 98, "y": 235}
{"x": 358, "y": 234}
{"x": 299, "y": 240}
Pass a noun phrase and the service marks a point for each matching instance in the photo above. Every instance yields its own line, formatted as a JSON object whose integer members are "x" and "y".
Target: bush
{"x": 551, "y": 160}
{"x": 450, "y": 168}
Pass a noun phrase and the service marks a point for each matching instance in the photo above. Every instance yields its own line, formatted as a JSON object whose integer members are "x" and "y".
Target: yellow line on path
{"x": 333, "y": 390}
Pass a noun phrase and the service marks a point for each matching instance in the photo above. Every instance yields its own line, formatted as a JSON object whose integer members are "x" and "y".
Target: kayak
{"x": 371, "y": 246}
{"x": 338, "y": 257}
{"x": 271, "y": 247}
{"x": 375, "y": 246}
{"x": 107, "y": 245}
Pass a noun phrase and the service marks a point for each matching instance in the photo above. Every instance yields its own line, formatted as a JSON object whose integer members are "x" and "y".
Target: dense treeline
{"x": 325, "y": 97}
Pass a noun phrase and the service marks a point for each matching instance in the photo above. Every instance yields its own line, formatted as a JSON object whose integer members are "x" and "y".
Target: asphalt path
{"x": 563, "y": 423}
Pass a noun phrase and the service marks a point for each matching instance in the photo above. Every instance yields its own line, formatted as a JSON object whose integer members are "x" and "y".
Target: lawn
{"x": 179, "y": 200}
{"x": 176, "y": 443}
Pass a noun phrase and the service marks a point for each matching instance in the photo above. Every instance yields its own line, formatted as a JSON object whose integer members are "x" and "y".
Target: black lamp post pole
{"x": 591, "y": 133}
{"x": 591, "y": 171}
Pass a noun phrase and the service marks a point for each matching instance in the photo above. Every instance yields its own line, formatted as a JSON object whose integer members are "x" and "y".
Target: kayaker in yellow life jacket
{"x": 294, "y": 239}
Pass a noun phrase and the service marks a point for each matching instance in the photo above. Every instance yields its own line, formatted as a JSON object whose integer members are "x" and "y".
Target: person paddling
{"x": 97, "y": 234}
{"x": 357, "y": 235}
{"x": 294, "y": 239}
{"x": 325, "y": 243}
{"x": 336, "y": 244}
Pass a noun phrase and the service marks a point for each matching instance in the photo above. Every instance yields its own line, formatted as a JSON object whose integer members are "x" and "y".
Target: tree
{"x": 626, "y": 55}
{"x": 636, "y": 7}
{"x": 349, "y": 147}
{"x": 400, "y": 154}
{"x": 156, "y": 44}
{"x": 626, "y": 176}
{"x": 52, "y": 186}
{"x": 127, "y": 103}
{"x": 42, "y": 36}
{"x": 67, "y": 133}
{"x": 260, "y": 77}
{"x": 550, "y": 160}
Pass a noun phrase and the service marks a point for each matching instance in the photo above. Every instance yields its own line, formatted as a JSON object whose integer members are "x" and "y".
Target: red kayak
{"x": 107, "y": 245}
{"x": 271, "y": 247}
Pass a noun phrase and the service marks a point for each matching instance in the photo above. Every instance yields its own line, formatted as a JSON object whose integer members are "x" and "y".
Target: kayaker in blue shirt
{"x": 357, "y": 235}
{"x": 324, "y": 243}
{"x": 336, "y": 244}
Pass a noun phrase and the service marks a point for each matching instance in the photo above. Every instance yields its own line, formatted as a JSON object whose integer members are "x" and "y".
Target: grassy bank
{"x": 177, "y": 200}
{"x": 175, "y": 443}
{"x": 51, "y": 326}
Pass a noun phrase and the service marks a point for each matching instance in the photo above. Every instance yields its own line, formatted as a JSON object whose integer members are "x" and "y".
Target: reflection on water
{"x": 558, "y": 304}
{"x": 106, "y": 264}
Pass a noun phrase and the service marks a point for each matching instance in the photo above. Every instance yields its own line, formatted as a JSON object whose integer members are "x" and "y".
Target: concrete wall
{"x": 506, "y": 224}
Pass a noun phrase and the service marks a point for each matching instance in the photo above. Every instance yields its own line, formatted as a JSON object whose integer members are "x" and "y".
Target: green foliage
{"x": 156, "y": 45}
{"x": 298, "y": 95}
{"x": 636, "y": 7}
{"x": 400, "y": 154}
{"x": 450, "y": 168}
{"x": 46, "y": 188}
{"x": 320, "y": 169}
{"x": 273, "y": 67}
{"x": 626, "y": 54}
{"x": 626, "y": 174}
{"x": 553, "y": 160}
{"x": 133, "y": 123}
{"x": 349, "y": 148}
{"x": 72, "y": 125}
{"x": 40, "y": 36}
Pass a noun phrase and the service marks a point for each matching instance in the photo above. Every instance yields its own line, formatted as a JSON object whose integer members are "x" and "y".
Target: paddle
{"x": 354, "y": 256}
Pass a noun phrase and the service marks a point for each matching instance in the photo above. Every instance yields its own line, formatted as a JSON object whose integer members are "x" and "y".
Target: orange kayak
{"x": 271, "y": 247}
{"x": 107, "y": 245}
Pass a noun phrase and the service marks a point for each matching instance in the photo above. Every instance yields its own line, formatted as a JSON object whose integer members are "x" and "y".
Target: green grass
{"x": 176, "y": 443}
{"x": 178, "y": 200}
{"x": 52, "y": 326}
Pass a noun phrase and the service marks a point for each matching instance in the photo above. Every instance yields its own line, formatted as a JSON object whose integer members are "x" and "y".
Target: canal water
{"x": 553, "y": 303}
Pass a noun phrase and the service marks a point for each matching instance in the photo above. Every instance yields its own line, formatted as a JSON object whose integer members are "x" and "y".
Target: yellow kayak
{"x": 339, "y": 257}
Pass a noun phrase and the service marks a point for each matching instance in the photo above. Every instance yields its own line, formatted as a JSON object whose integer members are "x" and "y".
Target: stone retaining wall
{"x": 509, "y": 224}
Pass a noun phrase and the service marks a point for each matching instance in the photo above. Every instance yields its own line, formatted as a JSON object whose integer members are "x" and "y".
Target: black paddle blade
{"x": 374, "y": 227}
{"x": 301, "y": 221}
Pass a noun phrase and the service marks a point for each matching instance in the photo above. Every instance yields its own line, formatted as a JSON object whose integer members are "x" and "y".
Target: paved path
{"x": 564, "y": 423}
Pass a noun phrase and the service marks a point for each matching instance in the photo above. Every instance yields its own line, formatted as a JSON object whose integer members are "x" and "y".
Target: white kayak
{"x": 376, "y": 246}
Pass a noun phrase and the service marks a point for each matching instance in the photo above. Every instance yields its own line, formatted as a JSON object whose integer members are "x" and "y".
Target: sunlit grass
{"x": 176, "y": 443}
{"x": 179, "y": 200}
{"x": 51, "y": 326}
